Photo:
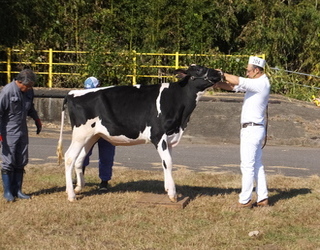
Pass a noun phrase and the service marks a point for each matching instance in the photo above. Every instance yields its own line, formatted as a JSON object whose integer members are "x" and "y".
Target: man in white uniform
{"x": 257, "y": 88}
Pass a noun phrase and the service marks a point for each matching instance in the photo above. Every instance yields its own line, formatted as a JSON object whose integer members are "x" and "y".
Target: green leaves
{"x": 288, "y": 32}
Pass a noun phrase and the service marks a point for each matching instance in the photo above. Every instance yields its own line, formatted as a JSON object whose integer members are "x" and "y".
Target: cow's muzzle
{"x": 212, "y": 80}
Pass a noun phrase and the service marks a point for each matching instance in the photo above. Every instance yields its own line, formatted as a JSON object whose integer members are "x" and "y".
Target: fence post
{"x": 8, "y": 65}
{"x": 177, "y": 60}
{"x": 134, "y": 73}
{"x": 50, "y": 69}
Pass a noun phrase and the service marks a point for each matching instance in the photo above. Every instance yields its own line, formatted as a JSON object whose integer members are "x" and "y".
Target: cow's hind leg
{"x": 78, "y": 168}
{"x": 70, "y": 159}
{"x": 164, "y": 151}
{"x": 79, "y": 163}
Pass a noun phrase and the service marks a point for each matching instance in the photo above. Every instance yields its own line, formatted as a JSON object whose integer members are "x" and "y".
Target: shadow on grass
{"x": 157, "y": 187}
{"x": 54, "y": 190}
{"x": 287, "y": 194}
{"x": 48, "y": 191}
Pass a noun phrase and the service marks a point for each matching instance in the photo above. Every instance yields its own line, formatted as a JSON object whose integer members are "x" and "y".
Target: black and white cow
{"x": 130, "y": 115}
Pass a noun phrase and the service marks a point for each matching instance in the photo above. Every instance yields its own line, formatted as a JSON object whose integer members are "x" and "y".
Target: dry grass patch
{"x": 116, "y": 221}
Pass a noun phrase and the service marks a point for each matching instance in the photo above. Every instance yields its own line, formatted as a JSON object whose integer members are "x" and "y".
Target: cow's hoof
{"x": 79, "y": 196}
{"x": 173, "y": 198}
{"x": 77, "y": 190}
{"x": 72, "y": 199}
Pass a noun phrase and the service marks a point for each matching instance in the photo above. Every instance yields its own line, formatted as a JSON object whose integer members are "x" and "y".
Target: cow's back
{"x": 124, "y": 110}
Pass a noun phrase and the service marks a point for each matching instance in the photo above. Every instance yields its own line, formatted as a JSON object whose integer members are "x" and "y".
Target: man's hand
{"x": 223, "y": 79}
{"x": 39, "y": 125}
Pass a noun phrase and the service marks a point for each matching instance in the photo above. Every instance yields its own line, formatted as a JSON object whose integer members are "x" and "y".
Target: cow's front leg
{"x": 165, "y": 153}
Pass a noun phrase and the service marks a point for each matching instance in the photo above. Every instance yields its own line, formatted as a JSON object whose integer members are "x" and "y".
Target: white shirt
{"x": 256, "y": 98}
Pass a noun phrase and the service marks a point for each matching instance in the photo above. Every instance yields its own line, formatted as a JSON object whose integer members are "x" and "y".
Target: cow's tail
{"x": 60, "y": 147}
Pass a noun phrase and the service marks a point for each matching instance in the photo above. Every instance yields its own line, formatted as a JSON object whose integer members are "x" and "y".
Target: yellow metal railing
{"x": 50, "y": 63}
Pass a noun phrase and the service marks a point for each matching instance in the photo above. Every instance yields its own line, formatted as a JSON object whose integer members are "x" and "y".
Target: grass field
{"x": 116, "y": 221}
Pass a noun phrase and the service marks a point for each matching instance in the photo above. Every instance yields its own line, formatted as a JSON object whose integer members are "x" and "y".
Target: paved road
{"x": 286, "y": 160}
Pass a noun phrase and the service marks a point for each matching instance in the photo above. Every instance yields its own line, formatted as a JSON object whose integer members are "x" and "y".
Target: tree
{"x": 287, "y": 31}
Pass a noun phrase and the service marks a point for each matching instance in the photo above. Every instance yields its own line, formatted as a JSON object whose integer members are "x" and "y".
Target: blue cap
{"x": 91, "y": 82}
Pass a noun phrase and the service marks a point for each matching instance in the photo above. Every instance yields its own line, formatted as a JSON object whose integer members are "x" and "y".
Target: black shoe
{"x": 103, "y": 187}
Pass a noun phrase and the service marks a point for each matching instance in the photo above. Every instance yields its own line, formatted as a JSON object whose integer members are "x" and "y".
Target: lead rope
{"x": 266, "y": 128}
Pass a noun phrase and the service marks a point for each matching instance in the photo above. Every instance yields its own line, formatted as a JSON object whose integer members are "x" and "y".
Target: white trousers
{"x": 252, "y": 170}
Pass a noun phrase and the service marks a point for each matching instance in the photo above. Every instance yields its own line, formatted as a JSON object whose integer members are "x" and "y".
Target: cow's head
{"x": 208, "y": 76}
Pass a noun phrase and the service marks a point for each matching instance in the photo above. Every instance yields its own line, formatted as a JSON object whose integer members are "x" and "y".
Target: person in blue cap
{"x": 106, "y": 149}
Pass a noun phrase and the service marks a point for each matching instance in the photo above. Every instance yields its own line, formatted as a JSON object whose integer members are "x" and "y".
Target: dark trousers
{"x": 14, "y": 152}
{"x": 106, "y": 157}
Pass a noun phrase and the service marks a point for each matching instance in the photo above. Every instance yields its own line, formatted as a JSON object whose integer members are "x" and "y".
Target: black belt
{"x": 244, "y": 125}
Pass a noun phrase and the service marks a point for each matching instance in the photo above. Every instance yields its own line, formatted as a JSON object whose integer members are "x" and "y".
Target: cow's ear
{"x": 180, "y": 73}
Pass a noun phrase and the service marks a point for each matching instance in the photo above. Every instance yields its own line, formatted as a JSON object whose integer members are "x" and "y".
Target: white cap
{"x": 91, "y": 82}
{"x": 257, "y": 61}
